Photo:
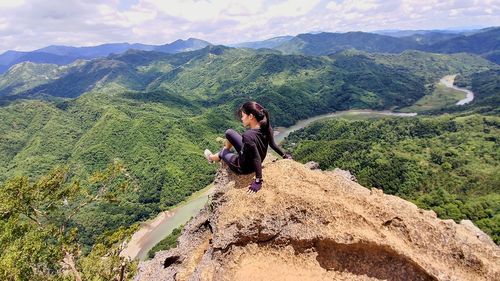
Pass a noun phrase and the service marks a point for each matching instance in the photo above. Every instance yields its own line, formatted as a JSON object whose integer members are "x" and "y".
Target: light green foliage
{"x": 448, "y": 163}
{"x": 103, "y": 262}
{"x": 37, "y": 230}
{"x": 27, "y": 75}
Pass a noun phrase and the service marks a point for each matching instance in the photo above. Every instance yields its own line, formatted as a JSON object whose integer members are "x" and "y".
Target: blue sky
{"x": 31, "y": 24}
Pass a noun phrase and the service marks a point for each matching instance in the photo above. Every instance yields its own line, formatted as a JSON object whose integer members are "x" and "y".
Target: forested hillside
{"x": 448, "y": 163}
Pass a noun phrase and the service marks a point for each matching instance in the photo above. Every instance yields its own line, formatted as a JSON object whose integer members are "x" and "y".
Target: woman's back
{"x": 255, "y": 143}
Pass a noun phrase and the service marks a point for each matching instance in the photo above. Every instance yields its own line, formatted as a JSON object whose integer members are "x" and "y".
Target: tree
{"x": 36, "y": 233}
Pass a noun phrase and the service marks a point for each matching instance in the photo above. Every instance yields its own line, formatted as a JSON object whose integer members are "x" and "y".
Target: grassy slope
{"x": 442, "y": 96}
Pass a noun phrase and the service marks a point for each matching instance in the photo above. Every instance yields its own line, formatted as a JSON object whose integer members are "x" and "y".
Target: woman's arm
{"x": 276, "y": 148}
{"x": 273, "y": 144}
{"x": 256, "y": 161}
{"x": 251, "y": 155}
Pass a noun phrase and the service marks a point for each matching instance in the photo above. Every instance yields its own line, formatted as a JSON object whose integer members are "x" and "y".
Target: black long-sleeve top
{"x": 255, "y": 143}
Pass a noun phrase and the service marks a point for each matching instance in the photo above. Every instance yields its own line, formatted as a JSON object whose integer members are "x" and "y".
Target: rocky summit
{"x": 308, "y": 224}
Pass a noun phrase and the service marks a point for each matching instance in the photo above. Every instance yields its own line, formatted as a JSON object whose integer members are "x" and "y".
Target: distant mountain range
{"x": 268, "y": 43}
{"x": 62, "y": 55}
{"x": 205, "y": 73}
{"x": 406, "y": 33}
{"x": 484, "y": 42}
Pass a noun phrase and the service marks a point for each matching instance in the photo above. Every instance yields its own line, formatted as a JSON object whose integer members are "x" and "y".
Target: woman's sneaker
{"x": 207, "y": 154}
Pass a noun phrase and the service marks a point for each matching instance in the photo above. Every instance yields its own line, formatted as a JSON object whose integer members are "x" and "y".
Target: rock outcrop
{"x": 313, "y": 225}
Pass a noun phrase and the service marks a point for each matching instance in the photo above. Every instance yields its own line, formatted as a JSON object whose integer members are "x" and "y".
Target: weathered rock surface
{"x": 313, "y": 225}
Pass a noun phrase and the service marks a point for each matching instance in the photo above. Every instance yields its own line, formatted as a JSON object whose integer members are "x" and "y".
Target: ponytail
{"x": 262, "y": 116}
{"x": 265, "y": 124}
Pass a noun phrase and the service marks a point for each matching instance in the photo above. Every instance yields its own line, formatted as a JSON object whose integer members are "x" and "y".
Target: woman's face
{"x": 245, "y": 119}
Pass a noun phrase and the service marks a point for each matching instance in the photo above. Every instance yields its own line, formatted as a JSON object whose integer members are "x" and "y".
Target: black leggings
{"x": 231, "y": 159}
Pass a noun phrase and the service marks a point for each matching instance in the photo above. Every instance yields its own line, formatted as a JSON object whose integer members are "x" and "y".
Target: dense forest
{"x": 448, "y": 164}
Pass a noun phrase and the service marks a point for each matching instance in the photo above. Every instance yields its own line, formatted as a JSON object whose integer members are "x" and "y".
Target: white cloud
{"x": 202, "y": 10}
{"x": 353, "y": 5}
{"x": 291, "y": 8}
{"x": 31, "y": 24}
{"x": 11, "y": 3}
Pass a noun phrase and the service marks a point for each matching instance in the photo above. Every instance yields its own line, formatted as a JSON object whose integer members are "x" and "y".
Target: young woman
{"x": 251, "y": 147}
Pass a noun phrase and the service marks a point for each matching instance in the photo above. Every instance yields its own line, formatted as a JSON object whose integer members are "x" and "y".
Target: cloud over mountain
{"x": 31, "y": 24}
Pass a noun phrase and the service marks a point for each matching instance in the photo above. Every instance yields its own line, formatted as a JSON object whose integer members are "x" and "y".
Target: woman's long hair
{"x": 261, "y": 114}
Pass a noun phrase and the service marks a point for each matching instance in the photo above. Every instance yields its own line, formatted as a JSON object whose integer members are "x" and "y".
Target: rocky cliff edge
{"x": 315, "y": 225}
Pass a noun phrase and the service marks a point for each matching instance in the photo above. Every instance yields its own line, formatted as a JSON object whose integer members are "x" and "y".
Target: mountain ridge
{"x": 63, "y": 55}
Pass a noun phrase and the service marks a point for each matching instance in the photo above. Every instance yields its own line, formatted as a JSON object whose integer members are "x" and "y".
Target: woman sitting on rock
{"x": 251, "y": 147}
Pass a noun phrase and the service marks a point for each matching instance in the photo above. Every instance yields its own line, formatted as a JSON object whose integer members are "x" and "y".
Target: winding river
{"x": 153, "y": 231}
{"x": 448, "y": 82}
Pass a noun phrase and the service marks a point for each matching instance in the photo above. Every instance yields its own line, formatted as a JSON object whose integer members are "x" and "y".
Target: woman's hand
{"x": 255, "y": 186}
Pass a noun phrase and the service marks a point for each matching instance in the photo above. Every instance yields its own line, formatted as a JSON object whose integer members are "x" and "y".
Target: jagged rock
{"x": 312, "y": 165}
{"x": 313, "y": 225}
{"x": 346, "y": 174}
{"x": 478, "y": 232}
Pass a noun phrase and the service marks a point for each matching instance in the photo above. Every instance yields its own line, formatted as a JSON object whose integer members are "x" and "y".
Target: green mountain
{"x": 477, "y": 43}
{"x": 485, "y": 42}
{"x": 268, "y": 43}
{"x": 429, "y": 38}
{"x": 94, "y": 51}
{"x": 327, "y": 43}
{"x": 26, "y": 75}
{"x": 216, "y": 74}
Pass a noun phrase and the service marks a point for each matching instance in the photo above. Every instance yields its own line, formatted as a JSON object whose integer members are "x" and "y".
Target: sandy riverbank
{"x": 153, "y": 231}
{"x": 139, "y": 238}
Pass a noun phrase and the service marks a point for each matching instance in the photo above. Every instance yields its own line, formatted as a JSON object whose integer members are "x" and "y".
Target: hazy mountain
{"x": 62, "y": 55}
{"x": 326, "y": 43}
{"x": 10, "y": 56}
{"x": 178, "y": 46}
{"x": 269, "y": 43}
{"x": 427, "y": 38}
{"x": 485, "y": 41}
{"x": 94, "y": 51}
{"x": 408, "y": 33}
